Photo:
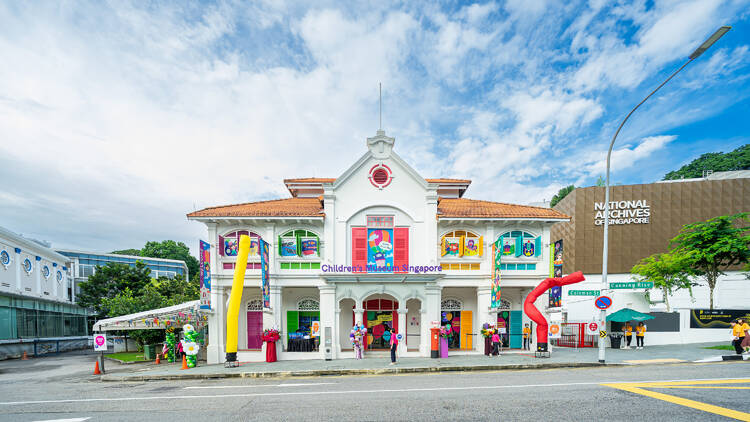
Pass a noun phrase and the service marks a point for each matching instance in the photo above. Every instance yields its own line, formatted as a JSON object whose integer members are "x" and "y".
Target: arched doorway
{"x": 503, "y": 321}
{"x": 413, "y": 324}
{"x": 254, "y": 324}
{"x": 380, "y": 316}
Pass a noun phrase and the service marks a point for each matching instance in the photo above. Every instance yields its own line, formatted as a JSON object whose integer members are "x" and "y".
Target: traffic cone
{"x": 25, "y": 356}
{"x": 96, "y": 369}
{"x": 157, "y": 359}
{"x": 184, "y": 362}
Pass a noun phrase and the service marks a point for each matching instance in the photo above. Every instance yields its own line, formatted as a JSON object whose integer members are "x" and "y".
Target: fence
{"x": 574, "y": 335}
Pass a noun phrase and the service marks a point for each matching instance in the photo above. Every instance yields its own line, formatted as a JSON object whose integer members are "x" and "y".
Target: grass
{"x": 127, "y": 356}
{"x": 721, "y": 347}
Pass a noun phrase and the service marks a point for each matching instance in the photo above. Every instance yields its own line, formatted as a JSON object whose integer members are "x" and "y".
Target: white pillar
{"x": 402, "y": 328}
{"x": 38, "y": 271}
{"x": 19, "y": 286}
{"x": 327, "y": 318}
{"x": 483, "y": 314}
{"x": 216, "y": 325}
{"x": 431, "y": 313}
{"x": 358, "y": 315}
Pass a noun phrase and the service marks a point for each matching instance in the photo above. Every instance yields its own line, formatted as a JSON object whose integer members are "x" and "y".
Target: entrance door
{"x": 503, "y": 324}
{"x": 254, "y": 329}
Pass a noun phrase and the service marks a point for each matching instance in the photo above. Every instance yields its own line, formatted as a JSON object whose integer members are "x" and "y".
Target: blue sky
{"x": 117, "y": 119}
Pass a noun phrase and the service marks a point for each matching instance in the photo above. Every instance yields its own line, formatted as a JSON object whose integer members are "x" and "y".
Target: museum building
{"x": 379, "y": 245}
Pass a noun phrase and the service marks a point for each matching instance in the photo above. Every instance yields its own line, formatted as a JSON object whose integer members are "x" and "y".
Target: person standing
{"x": 640, "y": 332}
{"x": 744, "y": 335}
{"x": 736, "y": 333}
{"x": 394, "y": 346}
{"x": 526, "y": 337}
{"x": 628, "y": 329}
{"x": 495, "y": 343}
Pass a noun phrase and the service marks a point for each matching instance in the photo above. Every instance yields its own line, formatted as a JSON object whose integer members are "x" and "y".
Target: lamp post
{"x": 695, "y": 54}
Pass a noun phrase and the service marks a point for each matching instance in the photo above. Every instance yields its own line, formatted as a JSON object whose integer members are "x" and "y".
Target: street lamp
{"x": 698, "y": 51}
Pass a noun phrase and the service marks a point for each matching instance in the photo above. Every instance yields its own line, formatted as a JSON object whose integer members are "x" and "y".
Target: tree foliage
{"x": 108, "y": 281}
{"x": 668, "y": 271}
{"x": 714, "y": 245}
{"x": 562, "y": 193}
{"x": 739, "y": 159}
{"x": 166, "y": 249}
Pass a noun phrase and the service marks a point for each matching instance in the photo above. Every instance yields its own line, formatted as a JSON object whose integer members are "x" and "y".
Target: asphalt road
{"x": 62, "y": 388}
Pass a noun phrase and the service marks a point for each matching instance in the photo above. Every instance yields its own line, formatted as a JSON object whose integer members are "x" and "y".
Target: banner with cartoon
{"x": 497, "y": 254}
{"x": 451, "y": 246}
{"x": 380, "y": 250}
{"x": 264, "y": 274}
{"x": 309, "y": 247}
{"x": 204, "y": 272}
{"x": 288, "y": 246}
{"x": 473, "y": 246}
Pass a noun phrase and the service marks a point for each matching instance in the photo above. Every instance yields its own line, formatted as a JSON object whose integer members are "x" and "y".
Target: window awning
{"x": 157, "y": 319}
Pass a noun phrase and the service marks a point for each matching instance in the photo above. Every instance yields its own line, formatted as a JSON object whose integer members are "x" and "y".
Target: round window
{"x": 45, "y": 271}
{"x": 27, "y": 265}
{"x": 380, "y": 176}
{"x": 5, "y": 258}
{"x": 59, "y": 276}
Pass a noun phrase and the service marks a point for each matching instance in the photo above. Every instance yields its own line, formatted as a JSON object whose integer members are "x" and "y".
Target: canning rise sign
{"x": 623, "y": 212}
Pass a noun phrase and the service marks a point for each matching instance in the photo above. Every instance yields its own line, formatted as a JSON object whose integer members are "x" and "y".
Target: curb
{"x": 341, "y": 372}
{"x": 125, "y": 362}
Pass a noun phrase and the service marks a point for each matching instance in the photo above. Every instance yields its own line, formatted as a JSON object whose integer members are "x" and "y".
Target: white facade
{"x": 29, "y": 269}
{"x": 408, "y": 301}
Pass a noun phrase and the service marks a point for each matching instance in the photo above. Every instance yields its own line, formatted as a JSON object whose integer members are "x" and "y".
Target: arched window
{"x": 229, "y": 244}
{"x": 299, "y": 243}
{"x": 308, "y": 304}
{"x": 519, "y": 244}
{"x": 451, "y": 305}
{"x": 461, "y": 243}
{"x": 255, "y": 305}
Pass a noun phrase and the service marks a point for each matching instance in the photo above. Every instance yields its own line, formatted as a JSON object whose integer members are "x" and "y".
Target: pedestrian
{"x": 736, "y": 333}
{"x": 628, "y": 334}
{"x": 495, "y": 344}
{"x": 394, "y": 346}
{"x": 745, "y": 336}
{"x": 640, "y": 332}
{"x": 526, "y": 337}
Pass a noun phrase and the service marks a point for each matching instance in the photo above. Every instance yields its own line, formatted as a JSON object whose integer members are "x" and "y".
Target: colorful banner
{"x": 288, "y": 246}
{"x": 380, "y": 250}
{"x": 204, "y": 272}
{"x": 231, "y": 247}
{"x": 555, "y": 293}
{"x": 451, "y": 246}
{"x": 509, "y": 245}
{"x": 309, "y": 247}
{"x": 528, "y": 247}
{"x": 497, "y": 254}
{"x": 264, "y": 273}
{"x": 473, "y": 246}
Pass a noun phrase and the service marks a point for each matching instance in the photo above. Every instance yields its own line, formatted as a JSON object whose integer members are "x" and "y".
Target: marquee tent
{"x": 156, "y": 319}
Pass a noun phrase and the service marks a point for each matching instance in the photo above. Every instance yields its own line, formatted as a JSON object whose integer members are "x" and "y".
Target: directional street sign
{"x": 603, "y": 302}
{"x": 602, "y": 334}
{"x": 584, "y": 292}
{"x": 632, "y": 285}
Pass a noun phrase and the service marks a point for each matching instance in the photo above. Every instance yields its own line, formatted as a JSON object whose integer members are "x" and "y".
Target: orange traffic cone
{"x": 25, "y": 356}
{"x": 157, "y": 359}
{"x": 184, "y": 362}
{"x": 96, "y": 369}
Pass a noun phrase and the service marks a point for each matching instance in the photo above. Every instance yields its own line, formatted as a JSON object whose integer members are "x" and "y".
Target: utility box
{"x": 328, "y": 343}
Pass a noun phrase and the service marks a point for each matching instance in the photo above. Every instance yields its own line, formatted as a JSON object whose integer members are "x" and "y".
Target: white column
{"x": 38, "y": 271}
{"x": 402, "y": 329}
{"x": 337, "y": 331}
{"x": 72, "y": 285}
{"x": 358, "y": 314}
{"x": 327, "y": 318}
{"x": 483, "y": 314}
{"x": 216, "y": 325}
{"x": 329, "y": 225}
{"x": 431, "y": 313}
{"x": 19, "y": 286}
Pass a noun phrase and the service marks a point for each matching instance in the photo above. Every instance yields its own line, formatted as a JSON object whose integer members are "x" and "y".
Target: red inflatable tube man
{"x": 533, "y": 312}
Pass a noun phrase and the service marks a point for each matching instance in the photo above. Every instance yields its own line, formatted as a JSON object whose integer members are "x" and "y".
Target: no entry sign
{"x": 592, "y": 328}
{"x": 603, "y": 302}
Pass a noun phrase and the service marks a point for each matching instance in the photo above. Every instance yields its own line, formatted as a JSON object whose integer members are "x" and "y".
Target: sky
{"x": 119, "y": 118}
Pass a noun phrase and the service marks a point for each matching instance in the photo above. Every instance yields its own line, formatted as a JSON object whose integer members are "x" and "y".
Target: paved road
{"x": 63, "y": 389}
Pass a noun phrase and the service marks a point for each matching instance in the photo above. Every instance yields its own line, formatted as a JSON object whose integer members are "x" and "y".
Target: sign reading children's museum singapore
{"x": 416, "y": 269}
{"x": 623, "y": 212}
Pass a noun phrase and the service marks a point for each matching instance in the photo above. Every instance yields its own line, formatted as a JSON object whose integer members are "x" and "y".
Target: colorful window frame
{"x": 229, "y": 243}
{"x": 299, "y": 265}
{"x": 299, "y": 243}
{"x": 462, "y": 244}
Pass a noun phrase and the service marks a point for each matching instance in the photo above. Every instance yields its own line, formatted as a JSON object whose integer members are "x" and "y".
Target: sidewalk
{"x": 513, "y": 360}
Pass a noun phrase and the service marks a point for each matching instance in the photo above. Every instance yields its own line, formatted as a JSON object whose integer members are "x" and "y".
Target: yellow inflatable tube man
{"x": 235, "y": 299}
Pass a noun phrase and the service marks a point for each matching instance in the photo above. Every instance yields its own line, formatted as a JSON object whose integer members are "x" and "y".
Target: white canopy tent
{"x": 157, "y": 319}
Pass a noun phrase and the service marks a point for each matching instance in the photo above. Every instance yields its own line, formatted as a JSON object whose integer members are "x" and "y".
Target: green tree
{"x": 601, "y": 182}
{"x": 714, "y": 245}
{"x": 169, "y": 249}
{"x": 739, "y": 159}
{"x": 562, "y": 193}
{"x": 669, "y": 272}
{"x": 134, "y": 252}
{"x": 108, "y": 281}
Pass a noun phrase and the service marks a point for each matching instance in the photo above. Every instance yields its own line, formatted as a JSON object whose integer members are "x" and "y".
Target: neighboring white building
{"x": 435, "y": 244}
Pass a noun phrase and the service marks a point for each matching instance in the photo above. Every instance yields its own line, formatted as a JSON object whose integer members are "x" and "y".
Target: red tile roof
{"x": 445, "y": 180}
{"x": 289, "y": 207}
{"x": 331, "y": 180}
{"x": 472, "y": 208}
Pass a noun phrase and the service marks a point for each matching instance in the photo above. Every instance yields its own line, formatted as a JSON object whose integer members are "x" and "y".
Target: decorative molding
{"x": 308, "y": 304}
{"x": 451, "y": 304}
{"x": 255, "y": 304}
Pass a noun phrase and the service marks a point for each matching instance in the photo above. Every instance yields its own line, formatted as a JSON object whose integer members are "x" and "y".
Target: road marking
{"x": 703, "y": 386}
{"x": 669, "y": 360}
{"x": 66, "y": 420}
{"x": 312, "y": 393}
{"x": 256, "y": 386}
{"x": 639, "y": 388}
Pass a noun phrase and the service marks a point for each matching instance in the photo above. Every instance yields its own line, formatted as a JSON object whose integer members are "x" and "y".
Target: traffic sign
{"x": 603, "y": 302}
{"x": 100, "y": 343}
{"x": 592, "y": 328}
{"x": 584, "y": 292}
{"x": 602, "y": 334}
{"x": 399, "y": 336}
{"x": 554, "y": 330}
{"x": 632, "y": 285}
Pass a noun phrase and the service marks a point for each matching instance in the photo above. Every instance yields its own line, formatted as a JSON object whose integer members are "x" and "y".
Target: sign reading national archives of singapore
{"x": 623, "y": 212}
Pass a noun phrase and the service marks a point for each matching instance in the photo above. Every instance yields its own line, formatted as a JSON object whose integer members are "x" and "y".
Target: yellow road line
{"x": 695, "y": 386}
{"x": 669, "y": 360}
{"x": 638, "y": 388}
